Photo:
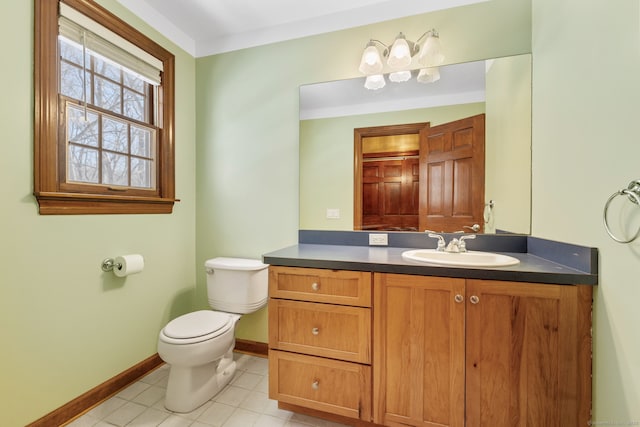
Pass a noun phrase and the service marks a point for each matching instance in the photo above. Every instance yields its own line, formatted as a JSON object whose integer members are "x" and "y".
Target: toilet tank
{"x": 237, "y": 285}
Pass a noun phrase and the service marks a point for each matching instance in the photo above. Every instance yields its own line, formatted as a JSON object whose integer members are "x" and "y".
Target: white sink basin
{"x": 462, "y": 259}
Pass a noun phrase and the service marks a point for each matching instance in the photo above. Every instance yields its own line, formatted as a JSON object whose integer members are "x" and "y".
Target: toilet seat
{"x": 196, "y": 327}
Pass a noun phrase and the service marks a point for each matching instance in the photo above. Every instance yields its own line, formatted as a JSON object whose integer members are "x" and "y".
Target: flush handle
{"x": 315, "y": 286}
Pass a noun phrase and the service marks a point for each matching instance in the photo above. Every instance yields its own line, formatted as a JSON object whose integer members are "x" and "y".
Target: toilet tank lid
{"x": 224, "y": 263}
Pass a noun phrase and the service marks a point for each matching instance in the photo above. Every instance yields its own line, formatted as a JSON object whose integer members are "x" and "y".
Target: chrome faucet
{"x": 462, "y": 245}
{"x": 454, "y": 246}
{"x": 441, "y": 242}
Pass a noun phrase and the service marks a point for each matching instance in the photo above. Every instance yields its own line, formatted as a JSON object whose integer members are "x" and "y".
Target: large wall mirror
{"x": 498, "y": 88}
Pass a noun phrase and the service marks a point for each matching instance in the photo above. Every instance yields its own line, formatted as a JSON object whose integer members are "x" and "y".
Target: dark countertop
{"x": 385, "y": 259}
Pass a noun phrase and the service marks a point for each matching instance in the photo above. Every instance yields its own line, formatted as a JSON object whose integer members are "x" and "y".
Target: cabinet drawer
{"x": 335, "y": 331}
{"x": 332, "y": 386}
{"x": 319, "y": 285}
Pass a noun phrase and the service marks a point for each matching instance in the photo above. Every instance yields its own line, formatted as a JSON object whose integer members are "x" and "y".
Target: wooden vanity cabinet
{"x": 528, "y": 354}
{"x": 418, "y": 351}
{"x": 456, "y": 352}
{"x": 320, "y": 339}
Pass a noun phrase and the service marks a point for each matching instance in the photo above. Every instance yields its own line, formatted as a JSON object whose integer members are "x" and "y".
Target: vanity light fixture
{"x": 374, "y": 82}
{"x": 399, "y": 57}
{"x": 401, "y": 53}
{"x": 429, "y": 75}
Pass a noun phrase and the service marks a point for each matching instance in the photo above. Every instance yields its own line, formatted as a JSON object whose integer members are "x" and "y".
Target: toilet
{"x": 198, "y": 346}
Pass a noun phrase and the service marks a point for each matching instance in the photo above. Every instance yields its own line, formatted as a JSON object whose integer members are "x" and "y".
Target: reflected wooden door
{"x": 390, "y": 194}
{"x": 452, "y": 175}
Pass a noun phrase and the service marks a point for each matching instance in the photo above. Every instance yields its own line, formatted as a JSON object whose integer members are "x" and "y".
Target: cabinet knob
{"x": 474, "y": 299}
{"x": 458, "y": 298}
{"x": 315, "y": 286}
{"x": 315, "y": 384}
{"x": 315, "y": 331}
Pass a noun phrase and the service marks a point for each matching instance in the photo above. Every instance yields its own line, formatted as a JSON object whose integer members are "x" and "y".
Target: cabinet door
{"x": 528, "y": 354}
{"x": 418, "y": 350}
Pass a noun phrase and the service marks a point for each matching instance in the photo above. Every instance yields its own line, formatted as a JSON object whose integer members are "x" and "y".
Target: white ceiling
{"x": 207, "y": 27}
{"x": 459, "y": 84}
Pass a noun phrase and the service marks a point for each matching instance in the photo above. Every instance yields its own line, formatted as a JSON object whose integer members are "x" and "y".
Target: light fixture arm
{"x": 432, "y": 32}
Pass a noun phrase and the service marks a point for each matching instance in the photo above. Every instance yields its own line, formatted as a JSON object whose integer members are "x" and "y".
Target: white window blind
{"x": 103, "y": 42}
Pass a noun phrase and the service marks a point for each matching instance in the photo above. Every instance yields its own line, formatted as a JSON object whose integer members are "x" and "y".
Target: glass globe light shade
{"x": 375, "y": 82}
{"x": 400, "y": 54}
{"x": 371, "y": 63}
{"x": 431, "y": 53}
{"x": 429, "y": 75}
{"x": 400, "y": 76}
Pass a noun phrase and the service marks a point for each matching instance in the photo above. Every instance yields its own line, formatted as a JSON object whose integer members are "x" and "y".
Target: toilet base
{"x": 190, "y": 387}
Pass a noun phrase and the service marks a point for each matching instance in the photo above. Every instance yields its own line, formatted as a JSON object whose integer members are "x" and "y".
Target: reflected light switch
{"x": 333, "y": 213}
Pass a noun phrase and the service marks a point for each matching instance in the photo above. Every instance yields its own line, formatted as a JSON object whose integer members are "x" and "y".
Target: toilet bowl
{"x": 198, "y": 346}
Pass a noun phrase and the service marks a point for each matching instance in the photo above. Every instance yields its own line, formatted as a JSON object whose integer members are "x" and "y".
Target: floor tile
{"x": 149, "y": 418}
{"x": 273, "y": 410}
{"x": 83, "y": 421}
{"x": 125, "y": 414}
{"x": 193, "y": 415}
{"x": 263, "y": 385}
{"x": 270, "y": 421}
{"x": 216, "y": 414}
{"x": 247, "y": 380}
{"x": 255, "y": 401}
{"x": 106, "y": 408}
{"x": 175, "y": 421}
{"x": 232, "y": 395}
{"x": 150, "y": 396}
{"x": 156, "y": 375}
{"x": 257, "y": 365}
{"x": 242, "y": 418}
{"x": 133, "y": 390}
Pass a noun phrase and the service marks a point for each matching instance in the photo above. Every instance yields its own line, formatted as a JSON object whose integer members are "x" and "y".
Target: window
{"x": 104, "y": 114}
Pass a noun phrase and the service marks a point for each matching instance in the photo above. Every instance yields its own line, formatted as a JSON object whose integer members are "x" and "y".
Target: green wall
{"x": 66, "y": 325}
{"x": 508, "y": 146}
{"x": 586, "y": 102}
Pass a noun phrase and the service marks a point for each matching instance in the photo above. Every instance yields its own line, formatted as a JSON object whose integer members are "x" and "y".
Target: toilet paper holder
{"x": 109, "y": 264}
{"x": 124, "y": 265}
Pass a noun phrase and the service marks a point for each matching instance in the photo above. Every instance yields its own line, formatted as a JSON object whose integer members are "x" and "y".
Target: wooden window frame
{"x": 49, "y": 166}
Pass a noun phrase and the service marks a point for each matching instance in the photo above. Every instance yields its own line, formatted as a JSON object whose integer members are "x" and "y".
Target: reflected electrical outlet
{"x": 333, "y": 213}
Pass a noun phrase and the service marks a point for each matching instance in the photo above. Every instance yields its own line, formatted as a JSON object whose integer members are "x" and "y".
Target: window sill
{"x": 53, "y": 203}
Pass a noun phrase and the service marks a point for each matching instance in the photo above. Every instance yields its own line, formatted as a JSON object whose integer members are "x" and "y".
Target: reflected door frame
{"x": 358, "y": 135}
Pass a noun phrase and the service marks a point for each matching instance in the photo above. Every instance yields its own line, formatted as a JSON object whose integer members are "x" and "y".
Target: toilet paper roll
{"x": 128, "y": 264}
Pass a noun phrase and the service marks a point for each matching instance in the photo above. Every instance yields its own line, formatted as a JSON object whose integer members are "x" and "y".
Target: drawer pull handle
{"x": 315, "y": 384}
{"x": 315, "y": 286}
{"x": 315, "y": 331}
{"x": 474, "y": 299}
{"x": 458, "y": 298}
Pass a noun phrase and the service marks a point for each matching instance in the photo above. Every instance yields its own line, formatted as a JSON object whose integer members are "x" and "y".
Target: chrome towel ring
{"x": 633, "y": 193}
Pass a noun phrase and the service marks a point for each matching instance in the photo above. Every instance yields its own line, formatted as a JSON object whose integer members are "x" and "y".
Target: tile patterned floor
{"x": 242, "y": 403}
